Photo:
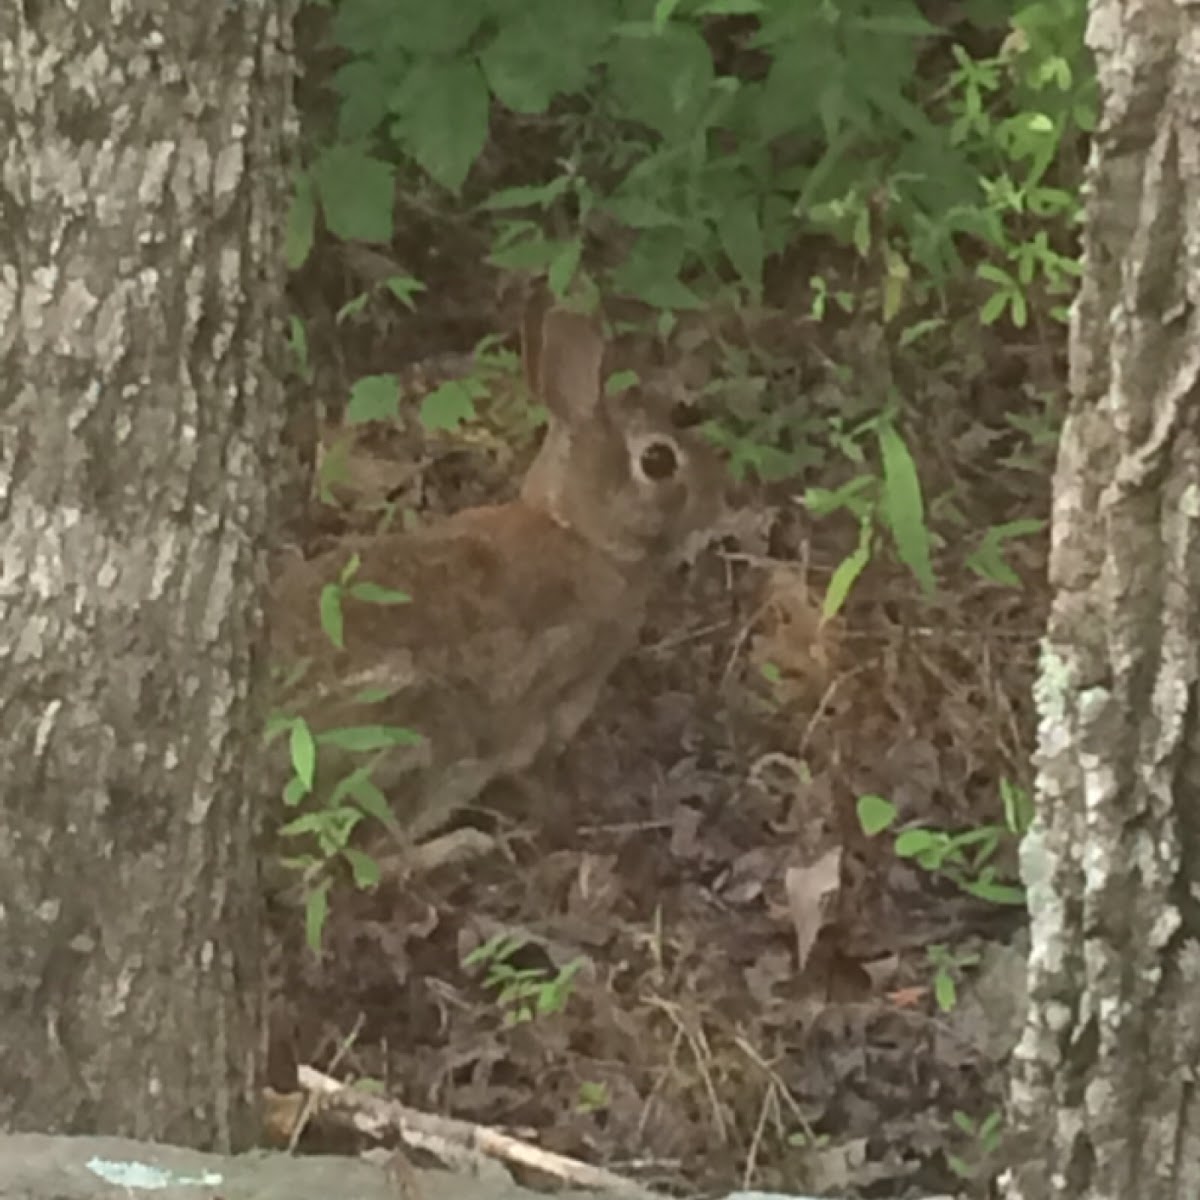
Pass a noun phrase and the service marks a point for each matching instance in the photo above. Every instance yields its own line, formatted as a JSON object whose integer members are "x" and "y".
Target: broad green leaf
{"x": 904, "y": 506}
{"x": 651, "y": 271}
{"x": 945, "y": 991}
{"x": 357, "y": 194}
{"x": 448, "y": 406}
{"x": 663, "y": 9}
{"x": 527, "y": 249}
{"x": 662, "y": 81}
{"x": 910, "y": 24}
{"x": 442, "y": 117}
{"x": 316, "y": 912}
{"x": 294, "y": 792}
{"x": 365, "y": 738}
{"x": 640, "y": 211}
{"x": 875, "y": 814}
{"x": 544, "y": 49}
{"x": 540, "y": 195}
{"x": 363, "y": 867}
{"x": 914, "y": 842}
{"x": 741, "y": 238}
{"x": 376, "y": 593}
{"x": 303, "y": 750}
{"x": 332, "y": 620}
{"x": 373, "y": 398}
{"x": 620, "y": 381}
{"x": 383, "y": 26}
{"x": 301, "y": 223}
{"x": 363, "y": 86}
{"x": 564, "y": 265}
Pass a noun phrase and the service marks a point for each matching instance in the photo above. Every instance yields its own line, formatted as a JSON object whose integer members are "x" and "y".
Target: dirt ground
{"x": 747, "y": 980}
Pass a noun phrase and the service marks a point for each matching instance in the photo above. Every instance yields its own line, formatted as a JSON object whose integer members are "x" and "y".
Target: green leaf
{"x": 303, "y": 750}
{"x": 357, "y": 194}
{"x": 316, "y": 912}
{"x": 351, "y": 308}
{"x": 382, "y": 26}
{"x": 540, "y": 195}
{"x": 846, "y": 574}
{"x": 875, "y": 814}
{"x": 663, "y": 9}
{"x": 945, "y": 991}
{"x": 993, "y": 307}
{"x": 651, "y": 271}
{"x": 564, "y": 265}
{"x": 911, "y": 24}
{"x": 294, "y": 792}
{"x": 376, "y": 593}
{"x": 447, "y": 407}
{"x": 363, "y": 867}
{"x": 532, "y": 251}
{"x": 442, "y": 117}
{"x": 332, "y": 620}
{"x": 362, "y": 739}
{"x": 543, "y": 49}
{"x": 301, "y": 223}
{"x": 348, "y": 572}
{"x": 404, "y": 287}
{"x": 732, "y": 8}
{"x": 373, "y": 398}
{"x": 995, "y": 274}
{"x": 363, "y": 86}
{"x": 374, "y": 695}
{"x": 741, "y": 238}
{"x": 914, "y": 842}
{"x": 620, "y": 381}
{"x": 374, "y": 803}
{"x": 904, "y": 506}
{"x": 662, "y": 81}
{"x": 995, "y": 893}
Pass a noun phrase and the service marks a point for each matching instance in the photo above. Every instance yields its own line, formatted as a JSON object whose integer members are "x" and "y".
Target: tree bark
{"x": 141, "y": 195}
{"x": 1104, "y": 1099}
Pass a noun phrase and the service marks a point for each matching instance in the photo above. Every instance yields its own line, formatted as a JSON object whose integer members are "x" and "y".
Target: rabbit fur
{"x": 519, "y": 612}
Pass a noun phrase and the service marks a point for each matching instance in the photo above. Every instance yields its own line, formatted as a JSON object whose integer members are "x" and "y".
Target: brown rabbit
{"x": 518, "y": 612}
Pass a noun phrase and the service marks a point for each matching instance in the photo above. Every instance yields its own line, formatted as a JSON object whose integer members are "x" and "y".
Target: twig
{"x": 452, "y": 1139}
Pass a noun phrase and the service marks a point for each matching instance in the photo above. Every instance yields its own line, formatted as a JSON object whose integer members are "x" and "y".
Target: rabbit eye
{"x": 659, "y": 461}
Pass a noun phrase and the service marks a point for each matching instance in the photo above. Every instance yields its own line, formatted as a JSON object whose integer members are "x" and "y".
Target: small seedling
{"x": 523, "y": 993}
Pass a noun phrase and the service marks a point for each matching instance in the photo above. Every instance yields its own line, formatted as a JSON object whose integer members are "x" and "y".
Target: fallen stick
{"x": 458, "y": 1142}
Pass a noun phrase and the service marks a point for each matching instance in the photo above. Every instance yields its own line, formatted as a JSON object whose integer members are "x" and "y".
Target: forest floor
{"x": 738, "y": 986}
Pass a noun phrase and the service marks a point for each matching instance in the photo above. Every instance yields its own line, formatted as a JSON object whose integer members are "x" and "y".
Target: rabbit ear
{"x": 572, "y": 350}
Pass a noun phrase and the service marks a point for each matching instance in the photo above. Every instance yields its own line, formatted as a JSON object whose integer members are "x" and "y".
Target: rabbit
{"x": 518, "y": 612}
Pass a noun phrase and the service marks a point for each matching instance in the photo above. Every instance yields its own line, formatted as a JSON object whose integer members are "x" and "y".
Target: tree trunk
{"x": 141, "y": 192}
{"x": 1104, "y": 1097}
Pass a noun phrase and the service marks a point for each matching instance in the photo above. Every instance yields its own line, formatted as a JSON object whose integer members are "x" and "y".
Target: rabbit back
{"x": 513, "y": 625}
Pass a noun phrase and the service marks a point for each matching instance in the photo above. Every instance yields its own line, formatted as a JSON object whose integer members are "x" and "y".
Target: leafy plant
{"x": 888, "y": 501}
{"x": 965, "y": 857}
{"x": 593, "y": 1097}
{"x": 984, "y": 1140}
{"x": 522, "y": 993}
{"x": 948, "y": 967}
{"x": 329, "y": 823}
